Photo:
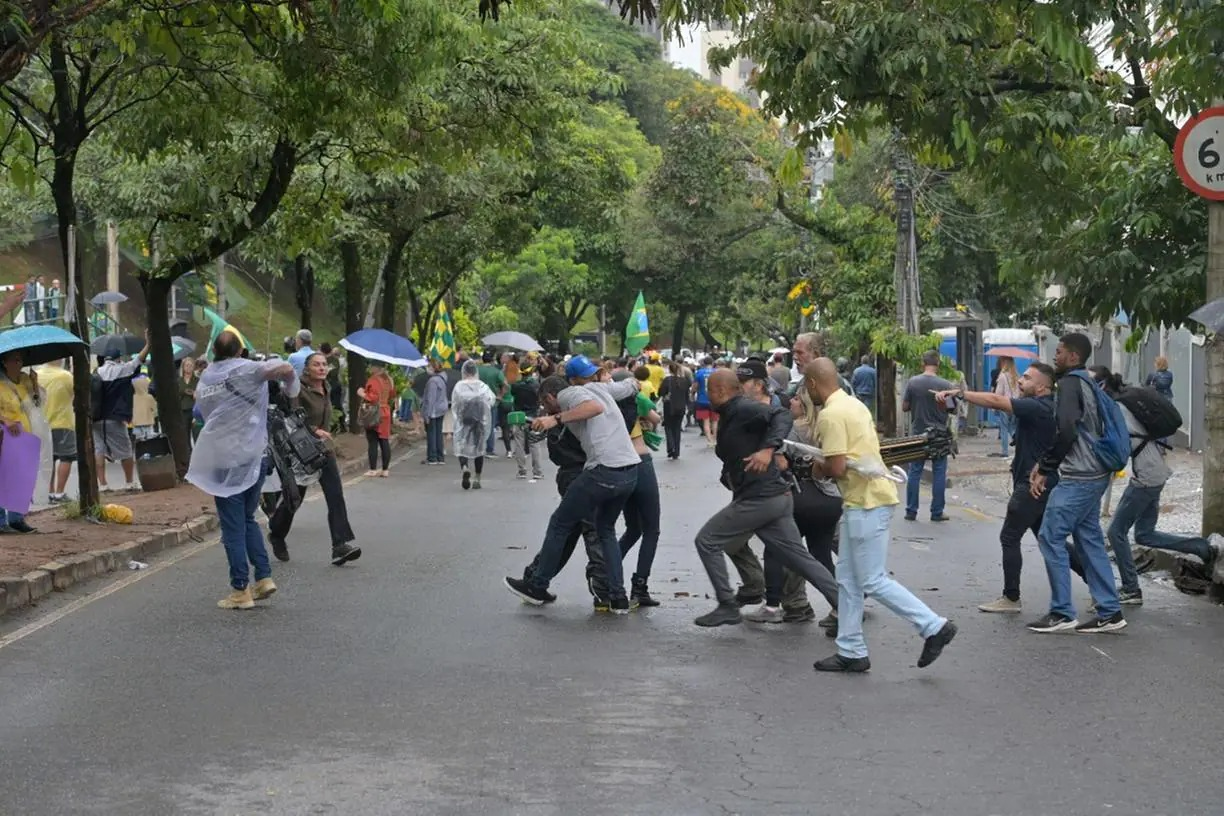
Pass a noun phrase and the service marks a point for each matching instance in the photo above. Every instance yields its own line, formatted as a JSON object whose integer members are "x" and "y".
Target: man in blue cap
{"x": 587, "y": 408}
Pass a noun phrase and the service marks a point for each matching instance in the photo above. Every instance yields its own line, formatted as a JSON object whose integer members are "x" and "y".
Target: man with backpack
{"x": 1150, "y": 418}
{"x": 1090, "y": 444}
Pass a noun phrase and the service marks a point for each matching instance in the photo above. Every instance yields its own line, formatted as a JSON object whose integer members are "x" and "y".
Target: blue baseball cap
{"x": 580, "y": 366}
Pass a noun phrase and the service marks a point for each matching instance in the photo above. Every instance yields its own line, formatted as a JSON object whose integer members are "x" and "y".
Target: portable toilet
{"x": 947, "y": 343}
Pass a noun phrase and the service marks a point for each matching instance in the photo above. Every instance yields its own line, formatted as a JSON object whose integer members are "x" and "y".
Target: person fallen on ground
{"x": 749, "y": 437}
{"x": 608, "y": 477}
{"x": 229, "y": 461}
{"x": 927, "y": 414}
{"x": 847, "y": 433}
{"x": 315, "y": 403}
{"x": 1139, "y": 507}
{"x": 379, "y": 391}
{"x": 57, "y": 383}
{"x": 1073, "y": 508}
{"x": 1033, "y": 411}
{"x": 113, "y": 410}
{"x": 19, "y": 398}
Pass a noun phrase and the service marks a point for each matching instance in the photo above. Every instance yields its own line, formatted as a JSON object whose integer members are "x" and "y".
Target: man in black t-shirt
{"x": 1035, "y": 428}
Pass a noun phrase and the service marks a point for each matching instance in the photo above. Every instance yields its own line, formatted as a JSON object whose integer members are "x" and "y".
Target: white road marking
{"x": 124, "y": 583}
{"x": 1102, "y": 654}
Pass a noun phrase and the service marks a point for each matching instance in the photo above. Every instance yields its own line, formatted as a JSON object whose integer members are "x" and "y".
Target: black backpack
{"x": 1158, "y": 416}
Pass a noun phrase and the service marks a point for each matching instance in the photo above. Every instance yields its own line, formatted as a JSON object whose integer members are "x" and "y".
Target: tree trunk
{"x": 304, "y": 289}
{"x": 1213, "y": 453}
{"x": 391, "y": 284}
{"x": 682, "y": 315}
{"x": 886, "y": 394}
{"x": 161, "y": 363}
{"x": 350, "y": 261}
{"x": 709, "y": 339}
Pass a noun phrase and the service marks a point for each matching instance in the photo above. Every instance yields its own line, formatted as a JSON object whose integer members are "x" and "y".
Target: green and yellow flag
{"x": 442, "y": 347}
{"x": 220, "y": 324}
{"x": 637, "y": 330}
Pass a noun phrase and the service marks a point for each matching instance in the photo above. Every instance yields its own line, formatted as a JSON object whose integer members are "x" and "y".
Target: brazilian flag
{"x": 637, "y": 330}
{"x": 220, "y": 324}
{"x": 442, "y": 347}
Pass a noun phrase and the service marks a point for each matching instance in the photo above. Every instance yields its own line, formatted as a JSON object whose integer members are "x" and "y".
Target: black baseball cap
{"x": 752, "y": 369}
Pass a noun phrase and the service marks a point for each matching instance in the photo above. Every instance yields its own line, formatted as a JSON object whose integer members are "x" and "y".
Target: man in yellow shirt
{"x": 58, "y": 384}
{"x": 655, "y": 367}
{"x": 15, "y": 388}
{"x": 847, "y": 434}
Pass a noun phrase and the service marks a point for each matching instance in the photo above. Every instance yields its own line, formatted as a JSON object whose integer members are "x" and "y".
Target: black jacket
{"x": 745, "y": 427}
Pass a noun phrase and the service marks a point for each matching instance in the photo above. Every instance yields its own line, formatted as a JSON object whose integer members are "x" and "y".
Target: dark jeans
{"x": 241, "y": 537}
{"x": 1140, "y": 508}
{"x": 337, "y": 511}
{"x": 939, "y": 481}
{"x": 816, "y": 515}
{"x": 376, "y": 446}
{"x": 1024, "y": 513}
{"x": 673, "y": 428}
{"x": 596, "y": 572}
{"x": 598, "y": 493}
{"x": 479, "y": 460}
{"x": 642, "y": 513}
{"x": 434, "y": 449}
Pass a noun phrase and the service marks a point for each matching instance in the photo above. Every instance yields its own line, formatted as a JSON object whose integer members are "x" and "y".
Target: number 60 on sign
{"x": 1198, "y": 154}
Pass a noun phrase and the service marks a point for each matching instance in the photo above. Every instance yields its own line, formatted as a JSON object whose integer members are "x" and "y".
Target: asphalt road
{"x": 413, "y": 683}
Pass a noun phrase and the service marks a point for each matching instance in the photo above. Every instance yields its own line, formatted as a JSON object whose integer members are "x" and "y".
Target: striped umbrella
{"x": 442, "y": 347}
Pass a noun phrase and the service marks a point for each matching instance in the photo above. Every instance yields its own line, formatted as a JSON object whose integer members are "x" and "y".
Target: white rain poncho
{"x": 472, "y": 399}
{"x": 232, "y": 396}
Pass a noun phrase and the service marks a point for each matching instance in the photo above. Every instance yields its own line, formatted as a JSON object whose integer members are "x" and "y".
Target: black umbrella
{"x": 128, "y": 344}
{"x": 1210, "y": 315}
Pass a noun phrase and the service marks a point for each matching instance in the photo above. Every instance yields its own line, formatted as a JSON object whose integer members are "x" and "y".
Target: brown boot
{"x": 238, "y": 599}
{"x": 263, "y": 589}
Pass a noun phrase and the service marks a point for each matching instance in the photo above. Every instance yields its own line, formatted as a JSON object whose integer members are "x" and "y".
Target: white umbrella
{"x": 512, "y": 339}
{"x": 780, "y": 350}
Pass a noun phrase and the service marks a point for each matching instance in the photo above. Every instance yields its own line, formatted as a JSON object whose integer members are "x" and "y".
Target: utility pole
{"x": 1213, "y": 453}
{"x": 220, "y": 287}
{"x": 112, "y": 269}
{"x": 905, "y": 281}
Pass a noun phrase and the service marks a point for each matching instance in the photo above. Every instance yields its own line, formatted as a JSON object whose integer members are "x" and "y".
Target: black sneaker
{"x": 941, "y": 517}
{"x": 846, "y": 665}
{"x": 640, "y": 593}
{"x": 803, "y": 615}
{"x": 911, "y": 516}
{"x": 748, "y": 599}
{"x": 525, "y": 591}
{"x": 829, "y": 621}
{"x": 601, "y": 604}
{"x": 1051, "y": 623}
{"x": 344, "y": 553}
{"x": 467, "y": 480}
{"x": 21, "y": 527}
{"x": 725, "y": 614}
{"x": 934, "y": 646}
{"x": 620, "y": 606}
{"x": 279, "y": 549}
{"x": 1097, "y": 625}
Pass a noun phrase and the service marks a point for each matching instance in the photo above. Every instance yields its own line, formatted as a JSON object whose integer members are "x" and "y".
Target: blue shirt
{"x": 700, "y": 376}
{"x": 298, "y": 359}
{"x": 863, "y": 381}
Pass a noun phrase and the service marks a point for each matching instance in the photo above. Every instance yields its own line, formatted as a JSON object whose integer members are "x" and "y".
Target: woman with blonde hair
{"x": 1007, "y": 387}
{"x": 1161, "y": 379}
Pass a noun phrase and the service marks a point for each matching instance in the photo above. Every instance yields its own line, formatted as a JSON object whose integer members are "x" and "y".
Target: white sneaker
{"x": 105, "y": 488}
{"x": 132, "y": 486}
{"x": 765, "y": 614}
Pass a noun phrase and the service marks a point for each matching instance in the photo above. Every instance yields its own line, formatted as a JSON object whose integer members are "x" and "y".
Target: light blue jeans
{"x": 1074, "y": 511}
{"x": 1006, "y": 430}
{"x": 862, "y": 572}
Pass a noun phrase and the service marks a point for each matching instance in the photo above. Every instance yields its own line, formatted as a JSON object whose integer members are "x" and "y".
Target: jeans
{"x": 337, "y": 511}
{"x": 596, "y": 572}
{"x": 491, "y": 444}
{"x": 7, "y": 517}
{"x": 939, "y": 480}
{"x": 241, "y": 536}
{"x": 862, "y": 572}
{"x": 405, "y": 411}
{"x": 1073, "y": 511}
{"x": 434, "y": 451}
{"x": 642, "y": 518}
{"x": 599, "y": 493}
{"x": 1140, "y": 508}
{"x": 771, "y": 519}
{"x": 1006, "y": 430}
{"x": 673, "y": 428}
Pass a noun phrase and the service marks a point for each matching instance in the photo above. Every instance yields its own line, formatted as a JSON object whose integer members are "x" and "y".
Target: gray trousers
{"x": 772, "y": 520}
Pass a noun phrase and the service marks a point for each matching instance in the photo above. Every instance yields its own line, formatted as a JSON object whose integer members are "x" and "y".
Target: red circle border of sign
{"x": 1191, "y": 184}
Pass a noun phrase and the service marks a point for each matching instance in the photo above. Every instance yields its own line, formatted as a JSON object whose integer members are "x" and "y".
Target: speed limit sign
{"x": 1198, "y": 154}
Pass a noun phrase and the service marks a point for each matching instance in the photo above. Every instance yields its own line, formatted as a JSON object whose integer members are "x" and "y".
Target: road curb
{"x": 18, "y": 592}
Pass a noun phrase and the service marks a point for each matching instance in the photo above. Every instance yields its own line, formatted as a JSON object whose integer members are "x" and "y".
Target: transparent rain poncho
{"x": 233, "y": 398}
{"x": 470, "y": 435}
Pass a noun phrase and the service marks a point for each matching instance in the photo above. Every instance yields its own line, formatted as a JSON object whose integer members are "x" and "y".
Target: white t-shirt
{"x": 604, "y": 438}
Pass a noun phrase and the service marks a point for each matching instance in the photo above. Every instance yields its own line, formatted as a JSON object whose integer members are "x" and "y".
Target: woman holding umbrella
{"x": 379, "y": 393}
{"x": 472, "y": 411}
{"x": 18, "y": 398}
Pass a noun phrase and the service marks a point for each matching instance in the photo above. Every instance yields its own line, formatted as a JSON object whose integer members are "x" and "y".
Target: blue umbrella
{"x": 40, "y": 344}
{"x": 382, "y": 345}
